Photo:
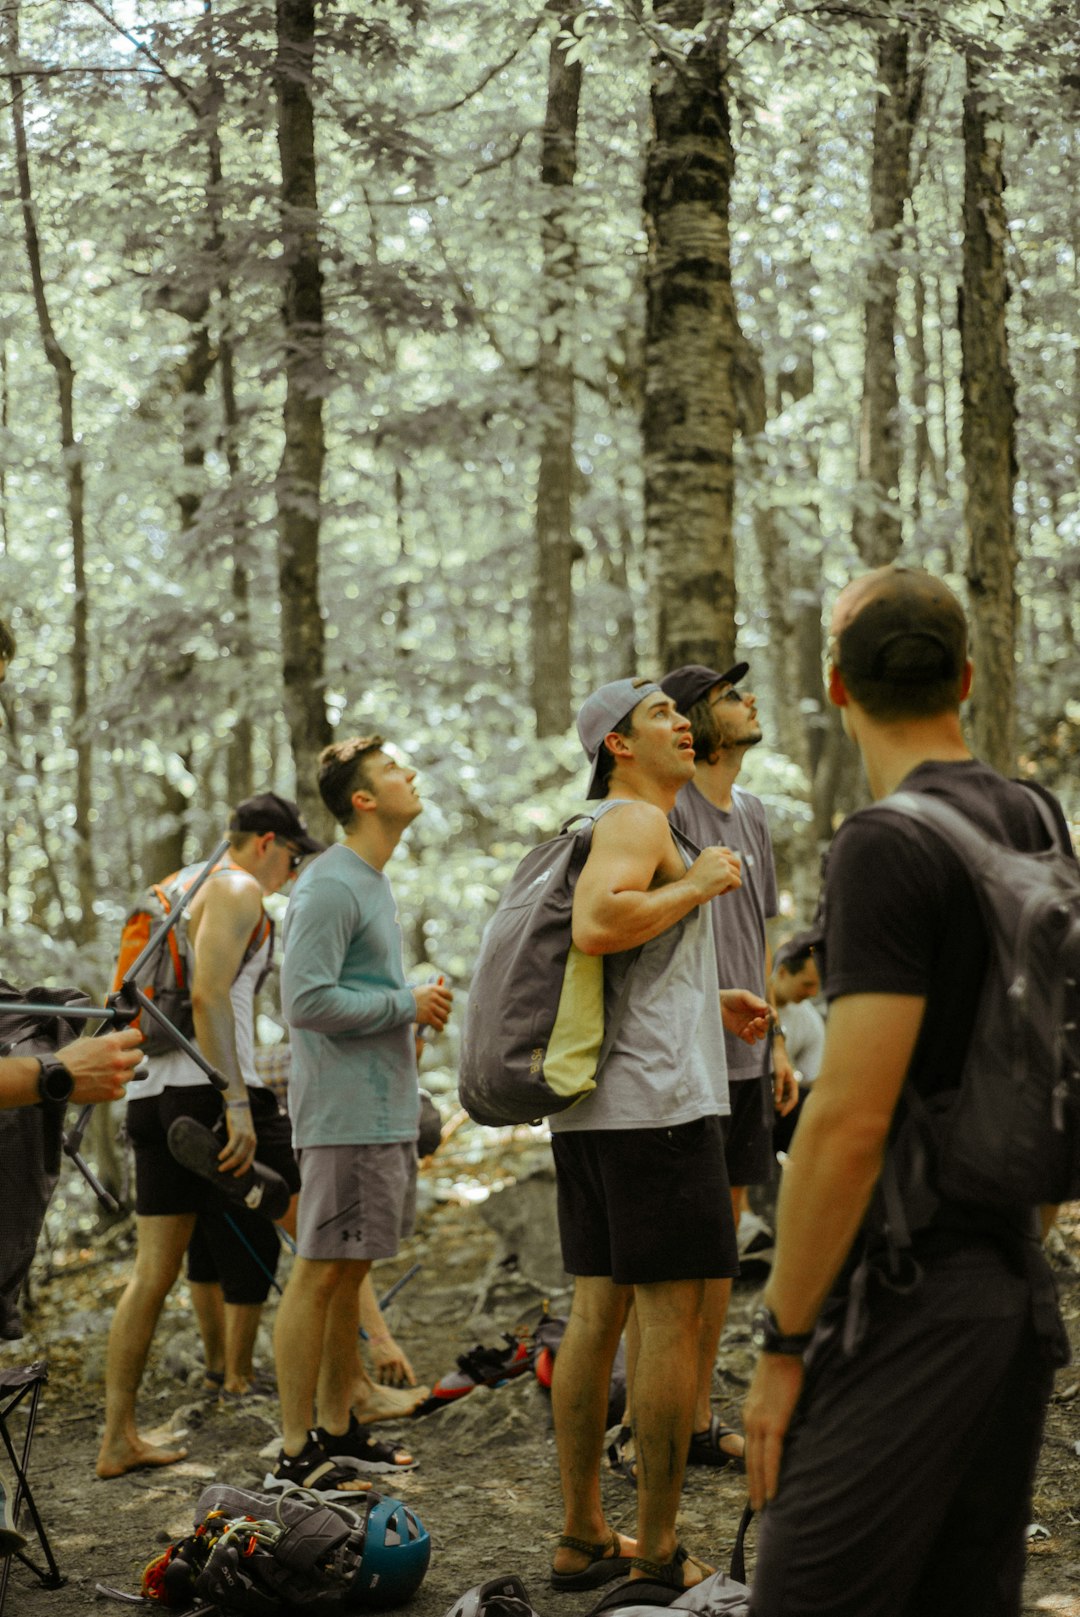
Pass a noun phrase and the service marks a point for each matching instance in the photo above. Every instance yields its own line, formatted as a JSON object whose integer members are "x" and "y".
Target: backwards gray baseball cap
{"x": 601, "y": 712}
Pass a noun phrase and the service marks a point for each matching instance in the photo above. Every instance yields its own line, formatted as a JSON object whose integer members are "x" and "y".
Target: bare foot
{"x": 117, "y": 1460}
{"x": 387, "y": 1403}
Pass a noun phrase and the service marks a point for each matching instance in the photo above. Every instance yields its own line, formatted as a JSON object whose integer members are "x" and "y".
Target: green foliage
{"x": 428, "y": 119}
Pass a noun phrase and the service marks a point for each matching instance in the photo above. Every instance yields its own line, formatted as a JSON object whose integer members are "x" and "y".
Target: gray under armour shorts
{"x": 356, "y": 1201}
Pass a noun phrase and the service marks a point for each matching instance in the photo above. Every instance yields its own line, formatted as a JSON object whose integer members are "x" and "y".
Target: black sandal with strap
{"x": 605, "y": 1564}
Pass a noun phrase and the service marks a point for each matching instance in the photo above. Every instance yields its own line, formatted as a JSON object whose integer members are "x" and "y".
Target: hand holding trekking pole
{"x": 102, "y": 1066}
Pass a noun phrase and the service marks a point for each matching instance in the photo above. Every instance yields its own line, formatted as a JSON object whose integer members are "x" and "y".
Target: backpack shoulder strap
{"x": 1046, "y": 803}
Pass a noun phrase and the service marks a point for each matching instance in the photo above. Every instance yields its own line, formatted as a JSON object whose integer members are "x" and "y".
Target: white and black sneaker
{"x": 356, "y": 1450}
{"x": 313, "y": 1468}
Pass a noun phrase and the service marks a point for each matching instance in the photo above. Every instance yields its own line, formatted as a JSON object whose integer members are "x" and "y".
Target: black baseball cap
{"x": 269, "y": 812}
{"x": 911, "y": 631}
{"x": 800, "y": 943}
{"x": 690, "y": 683}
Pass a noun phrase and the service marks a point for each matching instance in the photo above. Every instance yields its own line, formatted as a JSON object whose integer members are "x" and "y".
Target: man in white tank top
{"x": 267, "y": 839}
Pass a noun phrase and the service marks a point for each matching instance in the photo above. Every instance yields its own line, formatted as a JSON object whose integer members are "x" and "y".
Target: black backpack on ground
{"x": 292, "y": 1555}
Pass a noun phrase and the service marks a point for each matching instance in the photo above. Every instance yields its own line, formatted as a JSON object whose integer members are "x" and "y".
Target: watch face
{"x": 759, "y": 1327}
{"x": 55, "y": 1083}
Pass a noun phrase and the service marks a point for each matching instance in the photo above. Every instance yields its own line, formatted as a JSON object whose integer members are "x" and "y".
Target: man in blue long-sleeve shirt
{"x": 354, "y": 1101}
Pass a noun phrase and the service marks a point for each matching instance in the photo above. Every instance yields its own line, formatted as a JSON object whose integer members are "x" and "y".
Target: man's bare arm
{"x": 100, "y": 1067}
{"x": 229, "y": 913}
{"x": 831, "y": 1172}
{"x": 616, "y": 905}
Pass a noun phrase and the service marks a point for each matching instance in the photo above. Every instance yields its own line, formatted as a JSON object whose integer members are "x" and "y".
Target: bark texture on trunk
{"x": 690, "y": 343}
{"x": 72, "y": 459}
{"x": 988, "y": 433}
{"x": 299, "y": 480}
{"x": 876, "y": 528}
{"x": 552, "y": 605}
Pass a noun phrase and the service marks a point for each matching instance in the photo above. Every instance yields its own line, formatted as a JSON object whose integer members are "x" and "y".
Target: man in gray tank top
{"x": 643, "y": 1197}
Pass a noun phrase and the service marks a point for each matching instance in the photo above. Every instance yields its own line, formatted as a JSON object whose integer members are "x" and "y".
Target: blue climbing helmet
{"x": 394, "y": 1559}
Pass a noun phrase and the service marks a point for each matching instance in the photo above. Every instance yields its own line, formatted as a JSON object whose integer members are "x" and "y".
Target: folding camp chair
{"x": 21, "y": 1382}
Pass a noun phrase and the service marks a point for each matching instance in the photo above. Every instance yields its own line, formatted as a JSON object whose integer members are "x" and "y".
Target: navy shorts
{"x": 645, "y": 1205}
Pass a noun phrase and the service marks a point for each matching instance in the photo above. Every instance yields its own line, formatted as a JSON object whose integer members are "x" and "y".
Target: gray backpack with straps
{"x": 536, "y": 1034}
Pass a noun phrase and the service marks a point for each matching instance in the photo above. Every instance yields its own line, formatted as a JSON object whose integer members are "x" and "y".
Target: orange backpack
{"x": 166, "y": 977}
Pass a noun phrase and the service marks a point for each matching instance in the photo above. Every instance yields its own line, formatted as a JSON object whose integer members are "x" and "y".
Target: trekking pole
{"x": 389, "y": 1296}
{"x": 242, "y": 1238}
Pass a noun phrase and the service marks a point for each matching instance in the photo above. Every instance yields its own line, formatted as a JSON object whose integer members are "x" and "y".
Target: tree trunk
{"x": 300, "y": 473}
{"x": 927, "y": 467}
{"x": 988, "y": 432}
{"x": 240, "y": 769}
{"x": 71, "y": 455}
{"x": 876, "y": 529}
{"x": 690, "y": 340}
{"x": 552, "y": 604}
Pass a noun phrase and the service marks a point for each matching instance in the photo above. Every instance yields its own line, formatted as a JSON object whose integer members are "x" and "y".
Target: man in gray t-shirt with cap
{"x": 644, "y": 1211}
{"x": 712, "y": 808}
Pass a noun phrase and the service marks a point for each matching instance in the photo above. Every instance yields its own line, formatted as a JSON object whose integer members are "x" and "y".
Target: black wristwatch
{"x": 767, "y": 1336}
{"x": 55, "y": 1083}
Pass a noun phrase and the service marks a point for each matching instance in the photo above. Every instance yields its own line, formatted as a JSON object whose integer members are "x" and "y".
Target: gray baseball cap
{"x": 602, "y": 711}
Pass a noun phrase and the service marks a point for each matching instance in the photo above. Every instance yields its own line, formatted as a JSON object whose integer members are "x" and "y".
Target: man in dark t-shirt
{"x": 893, "y": 1430}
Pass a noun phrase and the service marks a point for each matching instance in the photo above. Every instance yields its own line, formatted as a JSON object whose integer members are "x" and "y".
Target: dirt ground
{"x": 486, "y": 1486}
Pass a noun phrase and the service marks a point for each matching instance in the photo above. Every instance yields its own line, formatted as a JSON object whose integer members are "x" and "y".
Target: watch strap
{"x": 771, "y": 1339}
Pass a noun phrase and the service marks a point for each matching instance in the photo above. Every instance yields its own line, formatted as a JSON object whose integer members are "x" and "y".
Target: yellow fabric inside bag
{"x": 578, "y": 1033}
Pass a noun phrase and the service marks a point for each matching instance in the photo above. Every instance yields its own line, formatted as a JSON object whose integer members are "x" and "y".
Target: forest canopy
{"x": 415, "y": 367}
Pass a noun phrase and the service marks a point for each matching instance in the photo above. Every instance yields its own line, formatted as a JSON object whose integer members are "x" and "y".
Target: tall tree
{"x": 690, "y": 338}
{"x": 71, "y": 455}
{"x": 300, "y": 473}
{"x": 877, "y": 529}
{"x": 988, "y": 432}
{"x": 552, "y": 605}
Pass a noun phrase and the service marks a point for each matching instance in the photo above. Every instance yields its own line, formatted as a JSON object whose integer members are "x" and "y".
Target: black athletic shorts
{"x": 646, "y": 1205}
{"x": 162, "y": 1186}
{"x": 748, "y": 1147}
{"x": 237, "y": 1249}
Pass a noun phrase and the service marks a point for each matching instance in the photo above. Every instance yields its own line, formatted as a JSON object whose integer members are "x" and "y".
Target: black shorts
{"x": 162, "y": 1186}
{"x": 748, "y": 1147}
{"x": 646, "y": 1205}
{"x": 238, "y": 1250}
